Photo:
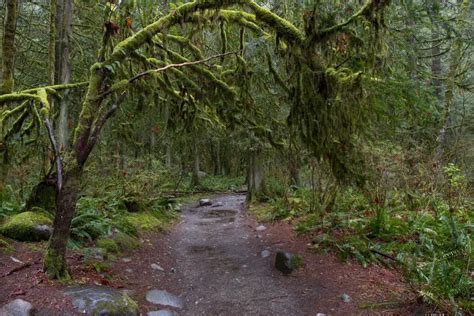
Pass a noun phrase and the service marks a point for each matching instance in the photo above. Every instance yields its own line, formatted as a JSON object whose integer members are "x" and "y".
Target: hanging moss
{"x": 198, "y": 69}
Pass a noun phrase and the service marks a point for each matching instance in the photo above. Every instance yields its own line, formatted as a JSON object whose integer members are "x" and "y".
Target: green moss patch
{"x": 27, "y": 226}
{"x": 146, "y": 221}
{"x": 108, "y": 244}
{"x": 262, "y": 211}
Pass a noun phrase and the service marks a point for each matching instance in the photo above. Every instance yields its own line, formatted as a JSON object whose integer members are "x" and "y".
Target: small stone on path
{"x": 346, "y": 298}
{"x": 260, "y": 228}
{"x": 265, "y": 253}
{"x": 126, "y": 260}
{"x": 164, "y": 298}
{"x": 156, "y": 267}
{"x": 205, "y": 202}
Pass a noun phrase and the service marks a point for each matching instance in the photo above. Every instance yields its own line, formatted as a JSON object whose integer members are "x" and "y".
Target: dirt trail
{"x": 218, "y": 256}
{"x": 217, "y": 252}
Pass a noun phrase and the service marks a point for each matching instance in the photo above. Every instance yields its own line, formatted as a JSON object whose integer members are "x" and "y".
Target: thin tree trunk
{"x": 436, "y": 67}
{"x": 195, "y": 173}
{"x": 64, "y": 65}
{"x": 454, "y": 63}
{"x": 169, "y": 155}
{"x": 8, "y": 47}
{"x": 52, "y": 42}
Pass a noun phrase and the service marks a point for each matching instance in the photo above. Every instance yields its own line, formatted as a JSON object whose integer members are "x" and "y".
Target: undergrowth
{"x": 426, "y": 233}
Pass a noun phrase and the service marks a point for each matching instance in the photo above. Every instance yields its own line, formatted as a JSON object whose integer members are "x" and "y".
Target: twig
{"x": 385, "y": 255}
{"x": 19, "y": 268}
{"x": 59, "y": 165}
{"x": 188, "y": 63}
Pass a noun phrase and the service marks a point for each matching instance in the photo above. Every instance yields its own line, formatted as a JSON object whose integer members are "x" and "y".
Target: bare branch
{"x": 189, "y": 63}
{"x": 59, "y": 165}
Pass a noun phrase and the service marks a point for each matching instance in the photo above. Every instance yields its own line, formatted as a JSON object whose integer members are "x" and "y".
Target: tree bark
{"x": 217, "y": 160}
{"x": 195, "y": 172}
{"x": 63, "y": 49}
{"x": 8, "y": 47}
{"x": 54, "y": 264}
{"x": 255, "y": 176}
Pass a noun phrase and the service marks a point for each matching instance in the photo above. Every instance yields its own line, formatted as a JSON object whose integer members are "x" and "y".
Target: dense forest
{"x": 350, "y": 121}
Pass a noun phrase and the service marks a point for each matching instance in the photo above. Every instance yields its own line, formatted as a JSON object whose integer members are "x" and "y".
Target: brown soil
{"x": 212, "y": 260}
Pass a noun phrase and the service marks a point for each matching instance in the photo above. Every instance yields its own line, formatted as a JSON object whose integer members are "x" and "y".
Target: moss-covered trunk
{"x": 255, "y": 176}
{"x": 8, "y": 47}
{"x": 195, "y": 181}
{"x": 55, "y": 265}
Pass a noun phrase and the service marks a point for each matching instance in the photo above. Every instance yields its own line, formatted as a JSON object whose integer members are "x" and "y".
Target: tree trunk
{"x": 169, "y": 157}
{"x": 217, "y": 160}
{"x": 8, "y": 47}
{"x": 54, "y": 264}
{"x": 255, "y": 178}
{"x": 436, "y": 65}
{"x": 195, "y": 173}
{"x": 63, "y": 49}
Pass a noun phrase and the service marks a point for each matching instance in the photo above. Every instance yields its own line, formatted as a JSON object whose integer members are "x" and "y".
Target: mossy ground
{"x": 146, "y": 221}
{"x": 262, "y": 211}
{"x": 108, "y": 244}
{"x": 125, "y": 242}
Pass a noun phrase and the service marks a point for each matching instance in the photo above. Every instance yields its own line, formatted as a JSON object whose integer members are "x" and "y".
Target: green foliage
{"x": 222, "y": 183}
{"x": 400, "y": 219}
{"x": 5, "y": 246}
{"x": 8, "y": 202}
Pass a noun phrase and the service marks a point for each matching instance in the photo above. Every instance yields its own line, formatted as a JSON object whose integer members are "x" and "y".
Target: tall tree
{"x": 64, "y": 14}
{"x": 8, "y": 46}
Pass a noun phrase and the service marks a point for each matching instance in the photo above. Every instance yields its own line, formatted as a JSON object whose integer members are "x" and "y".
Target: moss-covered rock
{"x": 108, "y": 244}
{"x": 27, "y": 226}
{"x": 101, "y": 300}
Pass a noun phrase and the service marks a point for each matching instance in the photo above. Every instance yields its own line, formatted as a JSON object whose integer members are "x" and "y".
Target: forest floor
{"x": 212, "y": 259}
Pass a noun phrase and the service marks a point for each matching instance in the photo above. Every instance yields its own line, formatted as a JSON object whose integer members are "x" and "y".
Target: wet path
{"x": 220, "y": 270}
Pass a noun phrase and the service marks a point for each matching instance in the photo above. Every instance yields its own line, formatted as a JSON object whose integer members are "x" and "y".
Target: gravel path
{"x": 221, "y": 269}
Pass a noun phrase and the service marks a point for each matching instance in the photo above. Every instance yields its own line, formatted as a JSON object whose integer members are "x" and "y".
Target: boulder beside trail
{"x": 18, "y": 307}
{"x": 286, "y": 262}
{"x": 101, "y": 300}
{"x": 27, "y": 226}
